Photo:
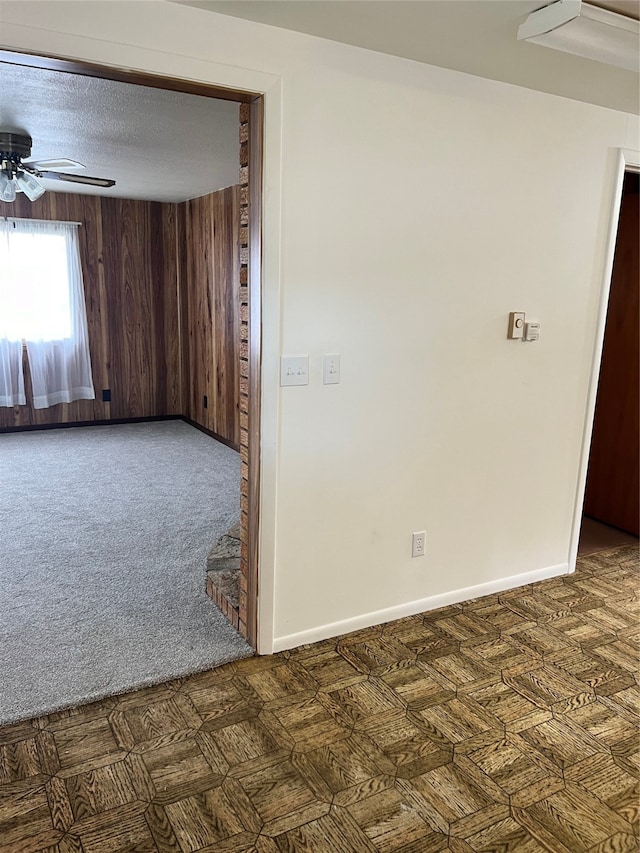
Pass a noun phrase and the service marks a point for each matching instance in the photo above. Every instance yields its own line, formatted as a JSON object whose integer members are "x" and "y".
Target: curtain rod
{"x": 40, "y": 221}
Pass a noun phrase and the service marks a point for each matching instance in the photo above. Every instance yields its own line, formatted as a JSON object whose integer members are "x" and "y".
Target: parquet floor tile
{"x": 417, "y": 686}
{"x": 508, "y": 724}
{"x": 405, "y": 744}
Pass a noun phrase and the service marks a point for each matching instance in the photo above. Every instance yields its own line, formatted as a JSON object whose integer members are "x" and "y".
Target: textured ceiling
{"x": 156, "y": 144}
{"x": 475, "y": 36}
{"x": 630, "y": 8}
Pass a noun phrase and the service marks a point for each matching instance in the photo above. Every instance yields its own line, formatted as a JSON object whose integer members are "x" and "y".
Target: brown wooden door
{"x": 613, "y": 476}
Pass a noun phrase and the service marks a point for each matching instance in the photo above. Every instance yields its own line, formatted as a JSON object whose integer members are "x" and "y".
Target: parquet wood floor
{"x": 508, "y": 723}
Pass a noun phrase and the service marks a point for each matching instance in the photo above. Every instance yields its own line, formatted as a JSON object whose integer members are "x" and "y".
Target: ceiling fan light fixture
{"x": 7, "y": 188}
{"x": 584, "y": 30}
{"x": 18, "y": 173}
{"x": 29, "y": 185}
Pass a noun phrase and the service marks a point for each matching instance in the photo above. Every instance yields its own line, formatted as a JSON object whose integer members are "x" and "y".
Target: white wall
{"x": 408, "y": 209}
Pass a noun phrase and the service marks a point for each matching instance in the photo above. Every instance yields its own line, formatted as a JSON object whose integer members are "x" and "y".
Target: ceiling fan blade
{"x": 53, "y": 165}
{"x": 76, "y": 179}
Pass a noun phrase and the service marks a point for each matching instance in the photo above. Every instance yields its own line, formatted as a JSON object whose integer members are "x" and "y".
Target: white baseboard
{"x": 433, "y": 602}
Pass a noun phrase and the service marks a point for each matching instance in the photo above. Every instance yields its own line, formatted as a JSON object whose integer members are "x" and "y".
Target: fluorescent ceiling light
{"x": 585, "y": 30}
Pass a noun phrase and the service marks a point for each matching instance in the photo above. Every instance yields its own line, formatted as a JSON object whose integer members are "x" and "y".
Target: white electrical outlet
{"x": 417, "y": 544}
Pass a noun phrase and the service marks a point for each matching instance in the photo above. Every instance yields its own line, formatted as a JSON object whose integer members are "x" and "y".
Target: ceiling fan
{"x": 20, "y": 174}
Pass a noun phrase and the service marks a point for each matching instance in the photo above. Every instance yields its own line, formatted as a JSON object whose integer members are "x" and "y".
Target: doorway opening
{"x": 611, "y": 511}
{"x": 242, "y": 609}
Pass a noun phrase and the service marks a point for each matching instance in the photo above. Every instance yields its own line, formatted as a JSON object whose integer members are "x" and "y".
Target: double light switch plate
{"x": 294, "y": 370}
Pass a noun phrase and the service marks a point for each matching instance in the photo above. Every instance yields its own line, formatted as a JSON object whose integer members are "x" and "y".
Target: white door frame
{"x": 627, "y": 161}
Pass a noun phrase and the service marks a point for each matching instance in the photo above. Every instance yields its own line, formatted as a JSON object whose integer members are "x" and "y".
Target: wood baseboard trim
{"x": 210, "y": 433}
{"x": 411, "y": 608}
{"x": 106, "y": 422}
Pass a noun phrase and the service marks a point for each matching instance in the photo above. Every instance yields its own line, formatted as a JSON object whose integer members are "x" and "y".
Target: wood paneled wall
{"x": 162, "y": 295}
{"x": 208, "y": 242}
{"x": 129, "y": 260}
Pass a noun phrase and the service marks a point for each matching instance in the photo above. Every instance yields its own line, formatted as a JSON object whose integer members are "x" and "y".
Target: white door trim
{"x": 627, "y": 161}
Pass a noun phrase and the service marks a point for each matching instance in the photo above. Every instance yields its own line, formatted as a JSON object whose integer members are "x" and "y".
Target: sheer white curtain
{"x": 42, "y": 302}
{"x": 11, "y": 376}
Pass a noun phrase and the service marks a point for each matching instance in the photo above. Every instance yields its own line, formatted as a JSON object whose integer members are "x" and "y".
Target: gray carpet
{"x": 104, "y": 536}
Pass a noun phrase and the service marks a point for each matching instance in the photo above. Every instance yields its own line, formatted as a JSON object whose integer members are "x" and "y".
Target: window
{"x": 35, "y": 284}
{"x": 42, "y": 306}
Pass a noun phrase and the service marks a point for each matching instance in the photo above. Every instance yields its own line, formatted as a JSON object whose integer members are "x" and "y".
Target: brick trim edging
{"x": 238, "y": 615}
{"x": 224, "y": 605}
